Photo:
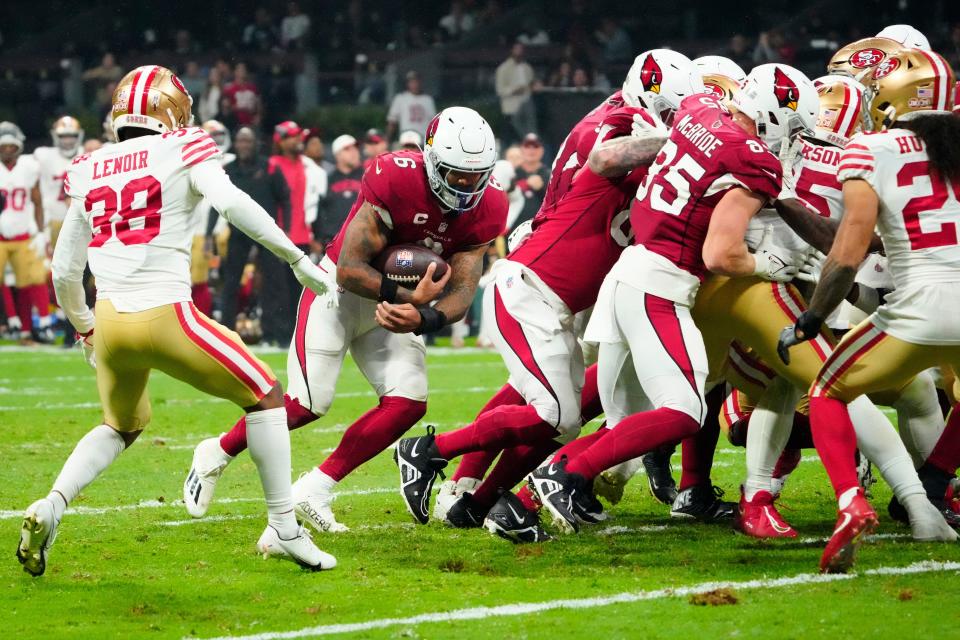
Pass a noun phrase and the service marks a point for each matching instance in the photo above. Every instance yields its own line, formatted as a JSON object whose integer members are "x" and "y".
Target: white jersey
{"x": 53, "y": 170}
{"x": 139, "y": 199}
{"x": 204, "y": 208}
{"x": 412, "y": 112}
{"x": 918, "y": 222}
{"x": 17, "y": 220}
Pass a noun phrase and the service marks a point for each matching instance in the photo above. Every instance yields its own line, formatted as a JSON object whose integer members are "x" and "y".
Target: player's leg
{"x": 919, "y": 416}
{"x": 23, "y": 259}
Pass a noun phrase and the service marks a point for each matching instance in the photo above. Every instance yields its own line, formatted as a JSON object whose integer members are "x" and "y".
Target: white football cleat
{"x": 37, "y": 533}
{"x": 450, "y": 492}
{"x": 299, "y": 549}
{"x": 209, "y": 461}
{"x": 312, "y": 506}
{"x": 927, "y": 523}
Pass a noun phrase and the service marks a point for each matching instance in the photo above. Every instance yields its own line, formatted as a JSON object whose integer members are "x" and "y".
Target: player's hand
{"x": 811, "y": 267}
{"x": 807, "y": 327}
{"x": 427, "y": 290}
{"x": 789, "y": 157}
{"x": 86, "y": 347}
{"x": 39, "y": 245}
{"x": 398, "y": 318}
{"x": 535, "y": 182}
{"x": 772, "y": 267}
{"x": 310, "y": 275}
{"x": 644, "y": 130}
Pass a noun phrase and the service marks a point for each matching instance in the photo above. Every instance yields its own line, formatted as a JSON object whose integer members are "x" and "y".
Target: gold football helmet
{"x": 67, "y": 135}
{"x": 857, "y": 57}
{"x": 844, "y": 109}
{"x": 911, "y": 82}
{"x": 721, "y": 86}
{"x": 151, "y": 97}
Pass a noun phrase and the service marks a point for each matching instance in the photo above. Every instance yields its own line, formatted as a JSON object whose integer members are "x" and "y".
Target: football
{"x": 405, "y": 264}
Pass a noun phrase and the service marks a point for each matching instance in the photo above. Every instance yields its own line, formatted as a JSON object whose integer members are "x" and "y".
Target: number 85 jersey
{"x": 139, "y": 198}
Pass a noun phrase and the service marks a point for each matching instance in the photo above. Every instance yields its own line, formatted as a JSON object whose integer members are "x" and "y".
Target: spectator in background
{"x": 314, "y": 149}
{"x": 952, "y": 51}
{"x": 458, "y": 22}
{"x": 532, "y": 176}
{"x": 505, "y": 172}
{"x": 250, "y": 172}
{"x": 374, "y": 143}
{"x": 615, "y": 40}
{"x": 209, "y": 100}
{"x": 411, "y": 109}
{"x": 193, "y": 80}
{"x": 343, "y": 186}
{"x": 582, "y": 80}
{"x": 226, "y": 114}
{"x": 261, "y": 34}
{"x": 183, "y": 43}
{"x": 562, "y": 76}
{"x": 737, "y": 50}
{"x": 294, "y": 27}
{"x": 773, "y": 47}
{"x": 103, "y": 79}
{"x": 410, "y": 141}
{"x": 533, "y": 34}
{"x": 514, "y": 85}
{"x": 244, "y": 97}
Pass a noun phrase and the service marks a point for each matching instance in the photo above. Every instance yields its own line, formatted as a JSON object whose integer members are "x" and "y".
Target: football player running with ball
{"x": 130, "y": 215}
{"x": 441, "y": 198}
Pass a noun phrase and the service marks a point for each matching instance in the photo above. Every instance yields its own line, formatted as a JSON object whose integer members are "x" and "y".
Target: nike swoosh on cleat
{"x": 413, "y": 450}
{"x": 773, "y": 522}
{"x": 847, "y": 518}
{"x": 515, "y": 514}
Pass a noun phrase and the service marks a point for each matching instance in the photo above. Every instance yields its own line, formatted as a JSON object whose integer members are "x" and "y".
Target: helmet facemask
{"x": 454, "y": 199}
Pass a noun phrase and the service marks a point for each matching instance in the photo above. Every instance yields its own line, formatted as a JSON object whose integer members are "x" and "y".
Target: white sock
{"x": 770, "y": 427}
{"x": 269, "y": 443}
{"x": 94, "y": 453}
{"x": 319, "y": 482}
{"x": 879, "y": 441}
{"x": 919, "y": 417}
{"x": 847, "y": 497}
{"x": 628, "y": 469}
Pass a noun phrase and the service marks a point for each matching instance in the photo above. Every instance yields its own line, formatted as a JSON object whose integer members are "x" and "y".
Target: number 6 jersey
{"x": 138, "y": 198}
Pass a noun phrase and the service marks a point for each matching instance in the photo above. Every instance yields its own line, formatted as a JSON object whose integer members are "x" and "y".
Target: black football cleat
{"x": 465, "y": 513}
{"x": 509, "y": 519}
{"x": 419, "y": 463}
{"x": 702, "y": 502}
{"x": 660, "y": 475}
{"x": 566, "y": 496}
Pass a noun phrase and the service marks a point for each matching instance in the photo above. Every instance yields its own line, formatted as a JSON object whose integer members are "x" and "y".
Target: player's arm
{"x": 814, "y": 229}
{"x": 724, "y": 249}
{"x": 209, "y": 179}
{"x": 69, "y": 260}
{"x": 619, "y": 156}
{"x": 37, "y": 206}
{"x": 451, "y": 306}
{"x": 366, "y": 237}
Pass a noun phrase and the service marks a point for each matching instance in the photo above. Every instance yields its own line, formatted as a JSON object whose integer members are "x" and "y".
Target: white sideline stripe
{"x": 870, "y": 538}
{"x": 157, "y": 504}
{"x": 526, "y": 608}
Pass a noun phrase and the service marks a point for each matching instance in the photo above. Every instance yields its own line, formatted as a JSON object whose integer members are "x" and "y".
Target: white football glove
{"x": 310, "y": 275}
{"x": 649, "y": 138}
{"x": 39, "y": 245}
{"x": 86, "y": 348}
{"x": 812, "y": 266}
{"x": 772, "y": 267}
{"x": 789, "y": 163}
{"x": 519, "y": 234}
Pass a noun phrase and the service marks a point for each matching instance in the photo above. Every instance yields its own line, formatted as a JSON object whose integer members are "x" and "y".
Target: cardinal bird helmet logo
{"x": 432, "y": 129}
{"x": 650, "y": 75}
{"x": 785, "y": 90}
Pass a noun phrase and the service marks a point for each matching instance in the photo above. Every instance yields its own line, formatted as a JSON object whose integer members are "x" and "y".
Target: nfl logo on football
{"x": 404, "y": 259}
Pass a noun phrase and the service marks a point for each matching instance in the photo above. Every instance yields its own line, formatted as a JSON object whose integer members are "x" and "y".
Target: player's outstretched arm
{"x": 814, "y": 229}
{"x": 69, "y": 259}
{"x": 619, "y": 156}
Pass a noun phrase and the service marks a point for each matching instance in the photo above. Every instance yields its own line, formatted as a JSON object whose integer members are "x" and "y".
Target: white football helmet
{"x": 781, "y": 100}
{"x": 62, "y": 130}
{"x": 906, "y": 35}
{"x": 11, "y": 134}
{"x": 659, "y": 80}
{"x": 718, "y": 65}
{"x": 219, "y": 133}
{"x": 844, "y": 109}
{"x": 458, "y": 139}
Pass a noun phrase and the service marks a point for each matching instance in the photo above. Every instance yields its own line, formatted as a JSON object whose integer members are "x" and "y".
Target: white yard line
{"x": 527, "y": 608}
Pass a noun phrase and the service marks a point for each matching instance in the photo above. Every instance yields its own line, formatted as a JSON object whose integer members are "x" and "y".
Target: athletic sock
{"x": 881, "y": 443}
{"x": 590, "y": 405}
{"x": 94, "y": 453}
{"x": 270, "y": 450}
{"x": 698, "y": 450}
{"x": 500, "y": 428}
{"x": 946, "y": 453}
{"x": 24, "y": 304}
{"x": 476, "y": 463}
{"x": 234, "y": 441}
{"x": 633, "y": 436}
{"x": 525, "y": 496}
{"x": 919, "y": 418}
{"x": 514, "y": 464}
{"x": 575, "y": 447}
{"x": 372, "y": 433}
{"x": 770, "y": 426}
{"x": 835, "y": 440}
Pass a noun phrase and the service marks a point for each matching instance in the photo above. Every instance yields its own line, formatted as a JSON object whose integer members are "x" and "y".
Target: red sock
{"x": 698, "y": 450}
{"x": 202, "y": 299}
{"x": 503, "y": 427}
{"x": 836, "y": 441}
{"x": 513, "y": 465}
{"x": 575, "y": 447}
{"x": 634, "y": 436}
{"x": 590, "y": 406}
{"x": 476, "y": 463}
{"x": 526, "y": 497}
{"x": 234, "y": 441}
{"x": 372, "y": 433}
{"x": 41, "y": 299}
{"x": 24, "y": 305}
{"x": 946, "y": 453}
{"x": 786, "y": 463}
{"x": 9, "y": 308}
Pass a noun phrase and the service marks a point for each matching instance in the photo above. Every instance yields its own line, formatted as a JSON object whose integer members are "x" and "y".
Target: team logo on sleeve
{"x": 785, "y": 90}
{"x": 866, "y": 58}
{"x": 650, "y": 75}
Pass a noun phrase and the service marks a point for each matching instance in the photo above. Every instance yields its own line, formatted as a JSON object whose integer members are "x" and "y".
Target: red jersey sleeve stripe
{"x": 854, "y": 145}
{"x": 201, "y": 158}
{"x": 856, "y": 156}
{"x": 199, "y": 150}
{"x": 193, "y": 143}
{"x": 855, "y": 167}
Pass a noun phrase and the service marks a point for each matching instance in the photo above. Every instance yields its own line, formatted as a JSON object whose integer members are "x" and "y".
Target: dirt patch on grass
{"x": 715, "y": 598}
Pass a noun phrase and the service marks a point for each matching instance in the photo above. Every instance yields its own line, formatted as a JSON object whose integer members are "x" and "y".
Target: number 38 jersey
{"x": 919, "y": 222}
{"x": 706, "y": 155}
{"x": 139, "y": 199}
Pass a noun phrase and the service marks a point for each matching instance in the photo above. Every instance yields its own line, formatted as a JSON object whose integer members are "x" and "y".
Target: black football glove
{"x": 807, "y": 327}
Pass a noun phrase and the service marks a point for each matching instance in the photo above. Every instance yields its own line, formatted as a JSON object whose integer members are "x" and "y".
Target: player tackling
{"x": 130, "y": 216}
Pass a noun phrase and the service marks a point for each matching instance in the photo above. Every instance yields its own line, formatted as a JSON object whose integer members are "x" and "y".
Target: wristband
{"x": 809, "y": 324}
{"x": 388, "y": 290}
{"x": 431, "y": 320}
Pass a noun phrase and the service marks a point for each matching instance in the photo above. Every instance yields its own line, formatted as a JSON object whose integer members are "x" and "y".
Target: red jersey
{"x": 243, "y": 97}
{"x": 396, "y": 185}
{"x": 706, "y": 155}
{"x": 577, "y": 145}
{"x": 575, "y": 242}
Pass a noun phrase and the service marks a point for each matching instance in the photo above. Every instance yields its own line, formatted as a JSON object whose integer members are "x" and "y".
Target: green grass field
{"x": 129, "y": 562}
